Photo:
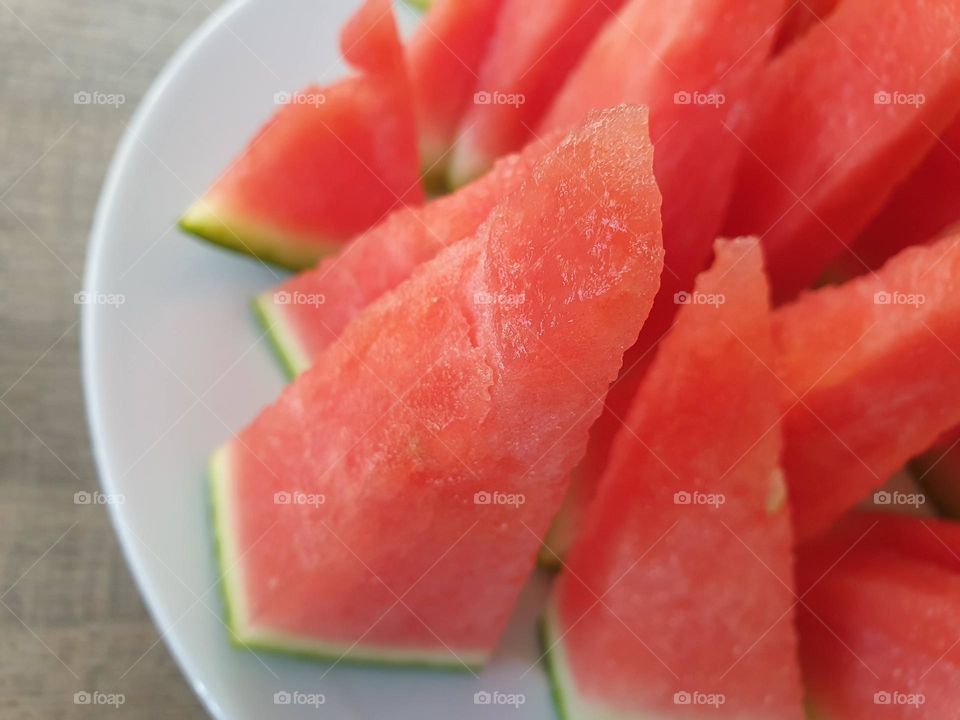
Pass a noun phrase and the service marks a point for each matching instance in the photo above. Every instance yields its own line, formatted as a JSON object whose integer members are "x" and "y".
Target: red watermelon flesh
{"x": 938, "y": 472}
{"x": 844, "y": 114}
{"x": 535, "y": 45}
{"x": 329, "y": 164}
{"x": 928, "y": 540}
{"x": 802, "y": 16}
{"x": 443, "y": 405}
{"x": 720, "y": 47}
{"x": 444, "y": 58}
{"x": 309, "y": 311}
{"x": 679, "y": 587}
{"x": 878, "y": 634}
{"x": 927, "y": 203}
{"x": 870, "y": 370}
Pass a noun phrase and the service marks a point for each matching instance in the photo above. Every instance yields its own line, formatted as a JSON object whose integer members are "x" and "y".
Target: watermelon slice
{"x": 926, "y": 204}
{"x": 849, "y": 357}
{"x": 534, "y": 47}
{"x": 721, "y": 46}
{"x": 462, "y": 400}
{"x": 309, "y": 311}
{"x": 444, "y": 57}
{"x": 800, "y": 18}
{"x": 678, "y": 591}
{"x": 841, "y": 120}
{"x": 331, "y": 163}
{"x": 878, "y": 628}
{"x": 938, "y": 472}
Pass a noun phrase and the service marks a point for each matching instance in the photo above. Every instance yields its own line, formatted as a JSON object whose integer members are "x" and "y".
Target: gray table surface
{"x": 71, "y": 619}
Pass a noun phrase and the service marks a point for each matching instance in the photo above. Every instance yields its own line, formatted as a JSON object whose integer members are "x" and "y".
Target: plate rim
{"x": 107, "y": 205}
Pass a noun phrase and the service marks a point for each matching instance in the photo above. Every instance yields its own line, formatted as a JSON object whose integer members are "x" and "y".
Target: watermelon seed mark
{"x": 800, "y": 398}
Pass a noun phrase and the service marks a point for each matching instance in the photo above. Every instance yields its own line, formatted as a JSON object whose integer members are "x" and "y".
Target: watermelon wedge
{"x": 309, "y": 311}
{"x": 330, "y": 163}
{"x": 850, "y": 359}
{"x": 443, "y": 58}
{"x": 938, "y": 472}
{"x": 676, "y": 600}
{"x": 926, "y": 204}
{"x": 878, "y": 628}
{"x": 841, "y": 119}
{"x": 462, "y": 399}
{"x": 535, "y": 45}
{"x": 721, "y": 46}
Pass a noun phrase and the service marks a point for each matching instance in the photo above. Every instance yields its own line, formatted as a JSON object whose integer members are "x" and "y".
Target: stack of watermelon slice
{"x": 555, "y": 355}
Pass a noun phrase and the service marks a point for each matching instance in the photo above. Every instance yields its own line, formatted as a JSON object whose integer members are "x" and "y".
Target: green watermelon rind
{"x": 247, "y": 238}
{"x": 565, "y": 699}
{"x": 289, "y": 646}
{"x": 419, "y": 5}
{"x": 283, "y": 341}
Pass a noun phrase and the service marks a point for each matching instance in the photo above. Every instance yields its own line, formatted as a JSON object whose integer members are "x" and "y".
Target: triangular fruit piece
{"x": 840, "y": 121}
{"x": 695, "y": 64}
{"x": 462, "y": 399}
{"x": 938, "y": 472}
{"x": 535, "y": 45}
{"x": 879, "y": 623}
{"x": 677, "y": 597}
{"x": 871, "y": 371}
{"x": 444, "y": 58}
{"x": 305, "y": 314}
{"x": 332, "y": 161}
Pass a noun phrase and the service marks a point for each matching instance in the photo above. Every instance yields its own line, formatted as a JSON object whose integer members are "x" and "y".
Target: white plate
{"x": 171, "y": 371}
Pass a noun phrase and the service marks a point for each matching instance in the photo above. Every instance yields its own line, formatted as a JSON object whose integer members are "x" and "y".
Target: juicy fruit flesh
{"x": 279, "y": 201}
{"x": 309, "y": 311}
{"x": 720, "y": 47}
{"x": 683, "y": 522}
{"x": 535, "y": 45}
{"x": 879, "y": 621}
{"x": 444, "y": 57}
{"x": 386, "y": 424}
{"x": 815, "y": 175}
{"x": 848, "y": 357}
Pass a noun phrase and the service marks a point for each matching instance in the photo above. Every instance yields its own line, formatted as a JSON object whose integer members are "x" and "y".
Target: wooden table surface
{"x": 71, "y": 619}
